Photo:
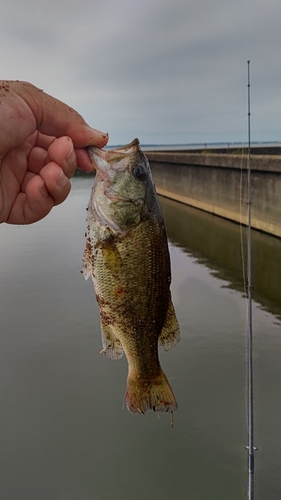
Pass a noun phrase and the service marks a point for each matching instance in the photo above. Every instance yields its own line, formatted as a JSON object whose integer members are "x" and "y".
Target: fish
{"x": 127, "y": 257}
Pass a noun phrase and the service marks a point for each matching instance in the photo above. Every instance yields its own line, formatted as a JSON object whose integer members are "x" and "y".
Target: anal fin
{"x": 170, "y": 334}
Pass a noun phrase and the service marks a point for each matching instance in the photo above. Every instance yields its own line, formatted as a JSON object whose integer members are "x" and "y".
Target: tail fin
{"x": 147, "y": 394}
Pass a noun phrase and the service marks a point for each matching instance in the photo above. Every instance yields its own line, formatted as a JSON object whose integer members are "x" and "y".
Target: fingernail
{"x": 43, "y": 190}
{"x": 62, "y": 180}
{"x": 71, "y": 157}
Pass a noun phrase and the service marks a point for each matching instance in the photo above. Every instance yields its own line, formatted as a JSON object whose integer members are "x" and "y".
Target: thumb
{"x": 55, "y": 118}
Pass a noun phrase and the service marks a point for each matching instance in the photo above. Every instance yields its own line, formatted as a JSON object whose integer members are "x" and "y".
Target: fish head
{"x": 122, "y": 188}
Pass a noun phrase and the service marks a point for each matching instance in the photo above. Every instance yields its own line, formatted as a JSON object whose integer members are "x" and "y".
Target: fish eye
{"x": 139, "y": 173}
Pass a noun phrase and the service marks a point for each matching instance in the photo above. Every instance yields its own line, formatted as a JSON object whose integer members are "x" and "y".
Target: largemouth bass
{"x": 128, "y": 259}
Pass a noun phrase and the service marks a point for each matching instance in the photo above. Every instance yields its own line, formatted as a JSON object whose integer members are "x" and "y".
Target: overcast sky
{"x": 165, "y": 71}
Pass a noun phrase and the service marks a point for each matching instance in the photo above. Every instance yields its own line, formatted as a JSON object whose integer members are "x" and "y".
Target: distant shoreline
{"x": 225, "y": 147}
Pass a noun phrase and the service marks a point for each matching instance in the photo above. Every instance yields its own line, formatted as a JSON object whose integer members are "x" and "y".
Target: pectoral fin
{"x": 112, "y": 258}
{"x": 112, "y": 347}
{"x": 170, "y": 334}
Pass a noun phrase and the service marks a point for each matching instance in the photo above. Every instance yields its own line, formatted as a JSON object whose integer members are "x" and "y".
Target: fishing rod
{"x": 251, "y": 448}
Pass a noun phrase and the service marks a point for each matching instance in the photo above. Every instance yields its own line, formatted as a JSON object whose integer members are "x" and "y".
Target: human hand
{"x": 42, "y": 141}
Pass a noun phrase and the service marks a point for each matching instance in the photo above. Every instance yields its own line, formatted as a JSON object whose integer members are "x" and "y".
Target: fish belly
{"x": 131, "y": 275}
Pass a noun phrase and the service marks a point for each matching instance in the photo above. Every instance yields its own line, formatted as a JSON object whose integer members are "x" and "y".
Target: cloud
{"x": 161, "y": 70}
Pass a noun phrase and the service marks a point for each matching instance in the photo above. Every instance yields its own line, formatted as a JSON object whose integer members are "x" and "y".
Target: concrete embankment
{"x": 217, "y": 183}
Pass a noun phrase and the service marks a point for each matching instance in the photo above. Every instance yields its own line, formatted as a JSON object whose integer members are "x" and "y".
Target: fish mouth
{"x": 112, "y": 199}
{"x": 101, "y": 158}
{"x": 104, "y": 216}
{"x": 106, "y": 198}
{"x": 127, "y": 201}
{"x": 113, "y": 196}
{"x": 119, "y": 200}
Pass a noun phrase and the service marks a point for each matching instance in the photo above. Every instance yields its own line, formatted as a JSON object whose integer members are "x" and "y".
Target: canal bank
{"x": 217, "y": 183}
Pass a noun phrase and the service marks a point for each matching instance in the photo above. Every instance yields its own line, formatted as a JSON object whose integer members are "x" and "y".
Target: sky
{"x": 165, "y": 71}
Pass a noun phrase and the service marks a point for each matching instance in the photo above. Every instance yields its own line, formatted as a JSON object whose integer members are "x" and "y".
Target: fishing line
{"x": 241, "y": 225}
{"x": 244, "y": 265}
{"x": 247, "y": 285}
{"x": 251, "y": 449}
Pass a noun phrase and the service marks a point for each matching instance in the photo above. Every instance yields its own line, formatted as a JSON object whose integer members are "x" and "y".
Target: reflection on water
{"x": 216, "y": 243}
{"x": 63, "y": 433}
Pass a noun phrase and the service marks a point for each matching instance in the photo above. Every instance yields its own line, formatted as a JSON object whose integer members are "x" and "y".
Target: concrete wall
{"x": 217, "y": 183}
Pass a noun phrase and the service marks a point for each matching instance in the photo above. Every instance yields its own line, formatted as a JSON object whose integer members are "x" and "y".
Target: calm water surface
{"x": 64, "y": 434}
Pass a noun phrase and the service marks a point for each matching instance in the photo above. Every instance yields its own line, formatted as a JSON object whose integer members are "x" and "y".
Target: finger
{"x": 42, "y": 192}
{"x": 37, "y": 158}
{"x": 55, "y": 118}
{"x": 44, "y": 141}
{"x": 83, "y": 160}
{"x": 61, "y": 151}
{"x": 33, "y": 205}
{"x": 27, "y": 178}
{"x": 56, "y": 182}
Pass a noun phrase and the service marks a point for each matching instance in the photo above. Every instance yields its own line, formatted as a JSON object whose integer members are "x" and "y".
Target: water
{"x": 64, "y": 435}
